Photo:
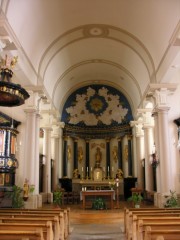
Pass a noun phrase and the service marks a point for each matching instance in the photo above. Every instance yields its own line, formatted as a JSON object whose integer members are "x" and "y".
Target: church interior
{"x": 89, "y": 101}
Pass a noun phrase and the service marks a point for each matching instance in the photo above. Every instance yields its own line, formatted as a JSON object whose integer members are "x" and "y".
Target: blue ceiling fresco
{"x": 96, "y": 110}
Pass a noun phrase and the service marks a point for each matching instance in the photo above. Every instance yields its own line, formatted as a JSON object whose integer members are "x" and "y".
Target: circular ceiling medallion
{"x": 96, "y": 31}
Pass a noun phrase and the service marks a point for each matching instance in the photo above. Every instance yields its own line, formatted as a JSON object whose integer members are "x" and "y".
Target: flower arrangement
{"x": 171, "y": 200}
{"x": 136, "y": 198}
{"x": 31, "y": 188}
{"x": 99, "y": 204}
{"x": 112, "y": 184}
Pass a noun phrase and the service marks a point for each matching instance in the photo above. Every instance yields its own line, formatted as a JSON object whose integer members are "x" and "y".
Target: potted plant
{"x": 171, "y": 200}
{"x": 57, "y": 197}
{"x": 16, "y": 196}
{"x": 136, "y": 198}
{"x": 98, "y": 204}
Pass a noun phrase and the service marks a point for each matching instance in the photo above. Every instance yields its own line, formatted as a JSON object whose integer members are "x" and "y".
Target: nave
{"x": 98, "y": 224}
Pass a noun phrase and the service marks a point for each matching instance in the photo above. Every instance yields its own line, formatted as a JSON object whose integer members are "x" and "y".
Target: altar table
{"x": 95, "y": 193}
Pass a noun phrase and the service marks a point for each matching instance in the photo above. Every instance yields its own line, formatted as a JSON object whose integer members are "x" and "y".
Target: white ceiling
{"x": 65, "y": 44}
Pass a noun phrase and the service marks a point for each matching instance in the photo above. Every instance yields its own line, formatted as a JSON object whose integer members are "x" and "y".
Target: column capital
{"x": 129, "y": 137}
{"x": 75, "y": 139}
{"x": 160, "y": 92}
{"x": 138, "y": 126}
{"x": 148, "y": 120}
{"x": 119, "y": 139}
{"x": 30, "y": 110}
{"x": 47, "y": 128}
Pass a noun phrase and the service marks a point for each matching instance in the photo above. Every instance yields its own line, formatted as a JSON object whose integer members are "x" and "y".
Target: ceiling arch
{"x": 63, "y": 46}
{"x": 132, "y": 81}
{"x": 119, "y": 41}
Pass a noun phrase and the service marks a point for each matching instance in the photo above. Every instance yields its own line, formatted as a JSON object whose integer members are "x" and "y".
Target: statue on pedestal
{"x": 98, "y": 170}
{"x": 98, "y": 157}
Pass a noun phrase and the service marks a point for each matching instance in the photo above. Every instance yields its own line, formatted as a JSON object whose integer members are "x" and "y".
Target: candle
{"x": 108, "y": 168}
{"x": 91, "y": 169}
{"x": 87, "y": 169}
{"x": 82, "y": 169}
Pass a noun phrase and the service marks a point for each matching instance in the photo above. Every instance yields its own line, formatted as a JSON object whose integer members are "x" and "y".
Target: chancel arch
{"x": 98, "y": 117}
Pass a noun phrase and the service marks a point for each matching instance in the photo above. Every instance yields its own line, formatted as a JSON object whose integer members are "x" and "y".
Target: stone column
{"x": 55, "y": 156}
{"x": 60, "y": 161}
{"x": 156, "y": 142}
{"x": 30, "y": 157}
{"x": 108, "y": 164}
{"x": 148, "y": 123}
{"x": 65, "y": 157}
{"x": 37, "y": 161}
{"x": 120, "y": 158}
{"x": 75, "y": 153}
{"x": 130, "y": 167}
{"x": 139, "y": 134}
{"x": 87, "y": 158}
{"x": 161, "y": 93}
{"x": 164, "y": 150}
{"x": 47, "y": 154}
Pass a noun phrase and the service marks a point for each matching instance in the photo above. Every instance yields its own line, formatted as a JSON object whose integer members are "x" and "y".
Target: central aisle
{"x": 96, "y": 224}
{"x": 112, "y": 231}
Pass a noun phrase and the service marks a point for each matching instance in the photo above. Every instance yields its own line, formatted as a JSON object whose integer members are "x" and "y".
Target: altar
{"x": 96, "y": 193}
{"x": 79, "y": 185}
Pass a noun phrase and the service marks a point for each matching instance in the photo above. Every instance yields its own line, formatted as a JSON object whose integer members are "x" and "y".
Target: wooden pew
{"x": 132, "y": 217}
{"x": 60, "y": 223}
{"x": 63, "y": 215}
{"x": 166, "y": 234}
{"x": 23, "y": 219}
{"x": 46, "y": 227}
{"x": 170, "y": 225}
{"x": 20, "y": 235}
{"x": 128, "y": 212}
{"x": 133, "y": 229}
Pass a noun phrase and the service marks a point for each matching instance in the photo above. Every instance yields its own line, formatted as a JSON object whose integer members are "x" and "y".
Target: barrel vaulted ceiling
{"x": 63, "y": 45}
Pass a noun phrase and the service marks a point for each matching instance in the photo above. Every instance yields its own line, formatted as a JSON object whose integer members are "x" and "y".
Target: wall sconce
{"x": 154, "y": 158}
